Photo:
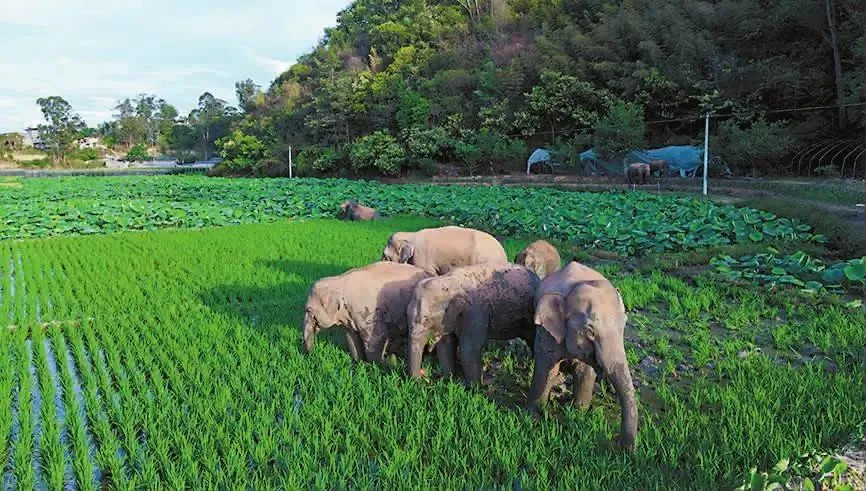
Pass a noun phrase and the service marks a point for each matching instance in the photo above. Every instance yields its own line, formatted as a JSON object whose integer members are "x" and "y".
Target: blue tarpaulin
{"x": 682, "y": 158}
{"x": 539, "y": 155}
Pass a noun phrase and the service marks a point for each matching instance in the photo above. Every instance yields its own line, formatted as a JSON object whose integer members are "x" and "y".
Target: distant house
{"x": 90, "y": 142}
{"x": 31, "y": 138}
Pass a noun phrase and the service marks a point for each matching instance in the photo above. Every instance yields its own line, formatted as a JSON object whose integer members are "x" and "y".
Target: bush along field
{"x": 173, "y": 357}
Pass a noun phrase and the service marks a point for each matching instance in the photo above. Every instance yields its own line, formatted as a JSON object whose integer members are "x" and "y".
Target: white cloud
{"x": 95, "y": 52}
{"x": 272, "y": 65}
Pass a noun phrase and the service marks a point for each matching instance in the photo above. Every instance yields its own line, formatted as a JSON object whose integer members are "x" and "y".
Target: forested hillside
{"x": 401, "y": 86}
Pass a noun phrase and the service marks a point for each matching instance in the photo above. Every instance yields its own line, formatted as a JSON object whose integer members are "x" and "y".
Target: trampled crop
{"x": 173, "y": 358}
{"x": 621, "y": 222}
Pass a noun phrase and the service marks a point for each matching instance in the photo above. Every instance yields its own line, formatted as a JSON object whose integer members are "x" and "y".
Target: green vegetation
{"x": 608, "y": 72}
{"x": 63, "y": 126}
{"x": 797, "y": 269}
{"x": 138, "y": 152}
{"x": 486, "y": 82}
{"x": 620, "y": 222}
{"x": 167, "y": 364}
{"x": 844, "y": 234}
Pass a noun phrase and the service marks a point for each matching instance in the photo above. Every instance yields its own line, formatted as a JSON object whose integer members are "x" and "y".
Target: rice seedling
{"x": 178, "y": 363}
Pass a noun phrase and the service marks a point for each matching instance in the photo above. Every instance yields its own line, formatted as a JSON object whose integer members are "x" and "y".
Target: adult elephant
{"x": 439, "y": 250}
{"x": 464, "y": 309}
{"x": 351, "y": 210}
{"x": 660, "y": 166}
{"x": 369, "y": 302}
{"x": 581, "y": 320}
{"x": 638, "y": 173}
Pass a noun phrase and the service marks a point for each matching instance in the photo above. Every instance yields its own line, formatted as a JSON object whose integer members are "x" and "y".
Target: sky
{"x": 96, "y": 52}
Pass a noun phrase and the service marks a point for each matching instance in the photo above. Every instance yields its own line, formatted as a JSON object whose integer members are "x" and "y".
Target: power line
{"x": 712, "y": 116}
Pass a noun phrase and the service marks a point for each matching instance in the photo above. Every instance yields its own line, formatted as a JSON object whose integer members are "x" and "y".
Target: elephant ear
{"x": 406, "y": 252}
{"x": 550, "y": 315}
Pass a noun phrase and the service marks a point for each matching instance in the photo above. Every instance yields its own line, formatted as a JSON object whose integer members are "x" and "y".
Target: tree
{"x": 757, "y": 147}
{"x": 211, "y": 119}
{"x": 130, "y": 127}
{"x": 248, "y": 93}
{"x": 240, "y": 151}
{"x": 63, "y": 128}
{"x": 562, "y": 101}
{"x": 620, "y": 131}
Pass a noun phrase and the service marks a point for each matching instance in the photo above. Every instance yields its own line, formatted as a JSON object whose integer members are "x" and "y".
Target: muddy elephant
{"x": 351, "y": 210}
{"x": 458, "y": 312}
{"x": 369, "y": 302}
{"x": 439, "y": 250}
{"x": 540, "y": 257}
{"x": 660, "y": 166}
{"x": 581, "y": 322}
{"x": 638, "y": 173}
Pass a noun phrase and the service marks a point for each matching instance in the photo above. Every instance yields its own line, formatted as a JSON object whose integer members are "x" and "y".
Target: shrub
{"x": 759, "y": 147}
{"x": 240, "y": 151}
{"x": 138, "y": 152}
{"x": 320, "y": 159}
{"x": 377, "y": 150}
{"x": 84, "y": 154}
{"x": 427, "y": 143}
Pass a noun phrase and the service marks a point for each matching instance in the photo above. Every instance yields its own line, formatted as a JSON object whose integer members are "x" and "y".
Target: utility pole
{"x": 706, "y": 150}
{"x": 290, "y": 161}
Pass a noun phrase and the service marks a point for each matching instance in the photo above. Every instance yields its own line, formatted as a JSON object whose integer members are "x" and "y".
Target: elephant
{"x": 369, "y": 302}
{"x": 580, "y": 319}
{"x": 660, "y": 166}
{"x": 439, "y": 250}
{"x": 638, "y": 173}
{"x": 464, "y": 309}
{"x": 351, "y": 210}
{"x": 540, "y": 257}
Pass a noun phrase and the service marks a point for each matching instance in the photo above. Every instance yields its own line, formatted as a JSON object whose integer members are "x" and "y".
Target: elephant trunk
{"x": 416, "y": 351}
{"x": 309, "y": 332}
{"x": 620, "y": 378}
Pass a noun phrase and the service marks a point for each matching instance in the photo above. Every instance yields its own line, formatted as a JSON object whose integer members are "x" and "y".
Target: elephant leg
{"x": 446, "y": 352}
{"x": 545, "y": 371}
{"x": 353, "y": 341}
{"x": 473, "y": 334}
{"x": 584, "y": 380}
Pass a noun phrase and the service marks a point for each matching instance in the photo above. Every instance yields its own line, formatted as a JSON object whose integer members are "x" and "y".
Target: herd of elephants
{"x": 453, "y": 288}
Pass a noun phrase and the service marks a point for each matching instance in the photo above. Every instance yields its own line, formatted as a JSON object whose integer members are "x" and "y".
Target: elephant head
{"x": 399, "y": 248}
{"x": 588, "y": 324}
{"x": 325, "y": 307}
{"x": 347, "y": 206}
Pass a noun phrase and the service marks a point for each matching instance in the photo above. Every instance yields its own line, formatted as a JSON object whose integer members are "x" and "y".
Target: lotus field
{"x": 149, "y": 345}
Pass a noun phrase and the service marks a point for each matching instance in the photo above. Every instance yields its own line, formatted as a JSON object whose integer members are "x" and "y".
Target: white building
{"x": 31, "y": 137}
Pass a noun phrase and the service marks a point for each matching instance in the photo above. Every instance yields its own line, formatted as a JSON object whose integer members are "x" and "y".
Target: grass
{"x": 175, "y": 360}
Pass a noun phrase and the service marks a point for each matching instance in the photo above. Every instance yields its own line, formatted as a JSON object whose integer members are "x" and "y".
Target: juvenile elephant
{"x": 638, "y": 173}
{"x": 369, "y": 302}
{"x": 439, "y": 250}
{"x": 540, "y": 257}
{"x": 467, "y": 307}
{"x": 581, "y": 320}
{"x": 660, "y": 166}
{"x": 351, "y": 210}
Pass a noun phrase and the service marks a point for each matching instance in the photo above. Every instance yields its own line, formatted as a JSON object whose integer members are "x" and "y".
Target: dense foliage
{"x": 173, "y": 359}
{"x": 565, "y": 74}
{"x": 622, "y": 222}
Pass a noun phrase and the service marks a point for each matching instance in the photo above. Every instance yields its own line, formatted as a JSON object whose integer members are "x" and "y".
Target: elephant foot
{"x": 626, "y": 443}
